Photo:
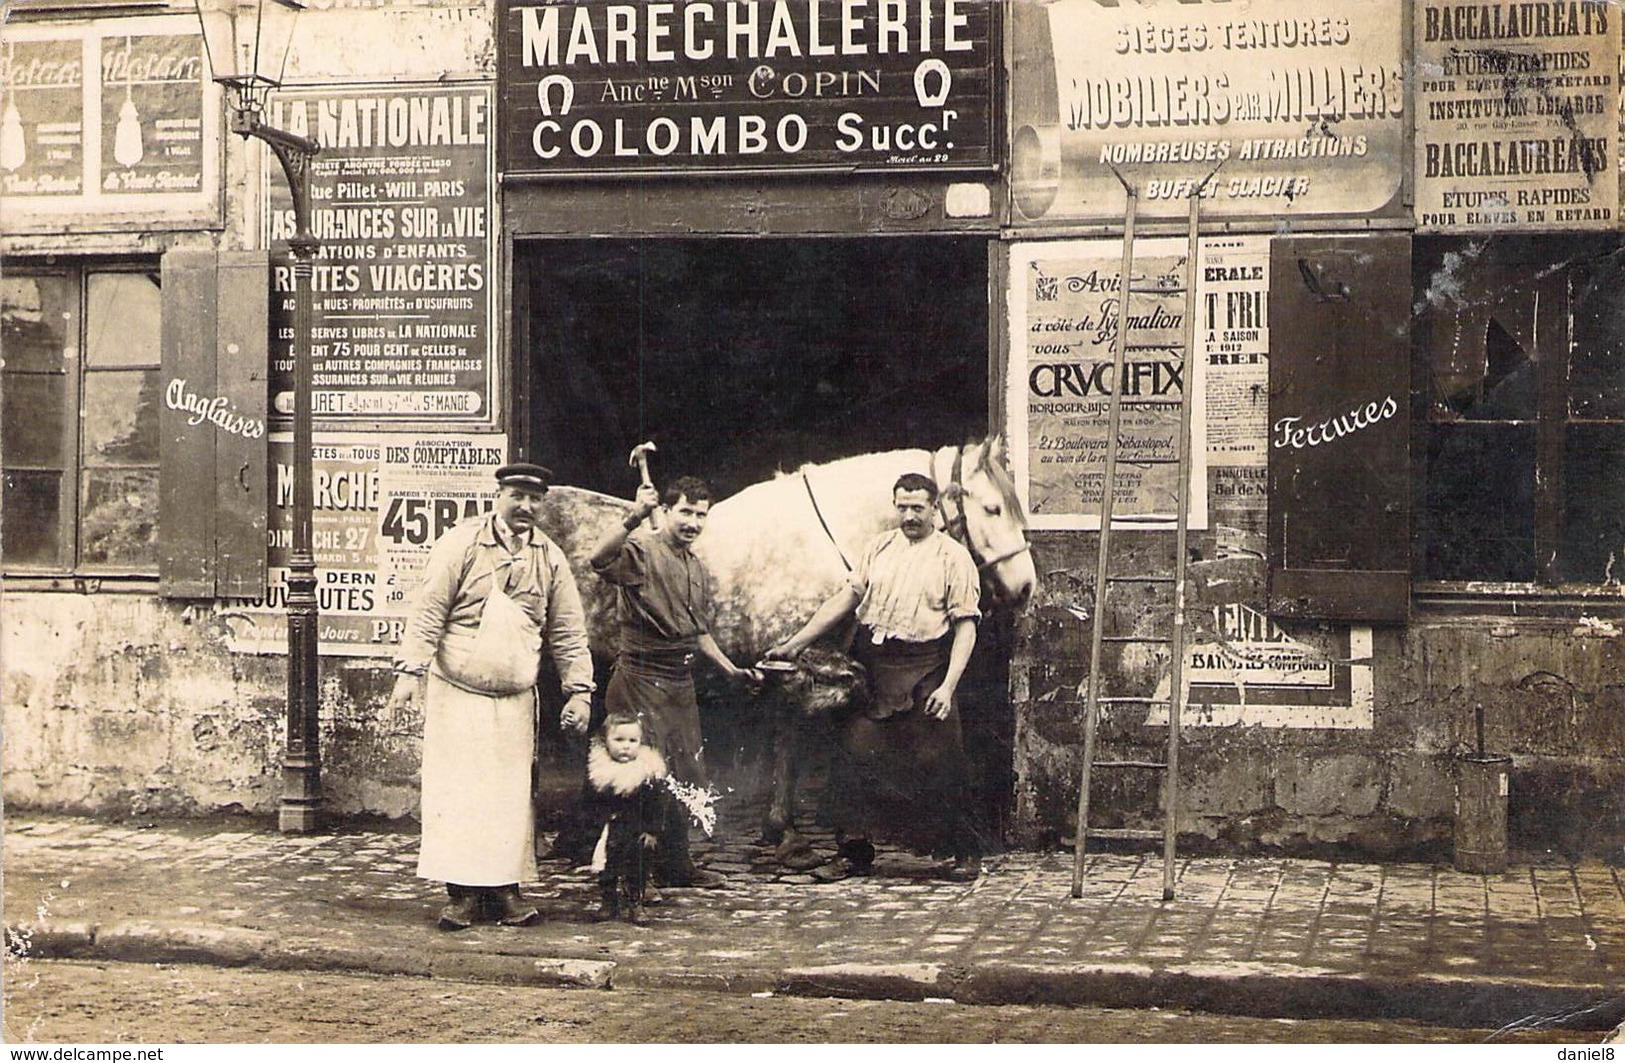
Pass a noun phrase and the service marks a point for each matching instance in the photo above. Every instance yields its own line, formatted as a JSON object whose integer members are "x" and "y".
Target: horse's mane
{"x": 589, "y": 494}
{"x": 853, "y": 460}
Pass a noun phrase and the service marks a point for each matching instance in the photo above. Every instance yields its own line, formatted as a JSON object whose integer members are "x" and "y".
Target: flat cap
{"x": 524, "y": 474}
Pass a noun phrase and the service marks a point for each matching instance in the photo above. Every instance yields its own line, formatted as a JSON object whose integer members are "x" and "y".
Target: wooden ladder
{"x": 1174, "y": 584}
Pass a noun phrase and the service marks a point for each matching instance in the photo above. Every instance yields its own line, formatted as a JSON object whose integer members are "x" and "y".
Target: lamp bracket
{"x": 294, "y": 152}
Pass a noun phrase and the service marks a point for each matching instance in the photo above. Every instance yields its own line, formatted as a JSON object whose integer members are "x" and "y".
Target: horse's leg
{"x": 781, "y": 806}
{"x": 794, "y": 851}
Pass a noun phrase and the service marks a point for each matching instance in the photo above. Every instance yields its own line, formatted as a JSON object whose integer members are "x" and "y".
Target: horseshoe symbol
{"x": 923, "y": 73}
{"x": 544, "y": 92}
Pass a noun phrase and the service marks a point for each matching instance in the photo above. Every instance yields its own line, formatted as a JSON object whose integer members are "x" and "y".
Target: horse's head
{"x": 980, "y": 503}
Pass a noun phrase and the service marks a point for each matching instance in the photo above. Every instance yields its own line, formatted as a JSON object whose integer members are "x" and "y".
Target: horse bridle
{"x": 958, "y": 527}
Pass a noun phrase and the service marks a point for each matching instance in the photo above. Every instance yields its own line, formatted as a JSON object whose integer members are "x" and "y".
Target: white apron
{"x": 479, "y": 827}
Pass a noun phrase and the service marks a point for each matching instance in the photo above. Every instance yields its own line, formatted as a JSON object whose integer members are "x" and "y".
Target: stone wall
{"x": 123, "y": 704}
{"x": 1552, "y": 693}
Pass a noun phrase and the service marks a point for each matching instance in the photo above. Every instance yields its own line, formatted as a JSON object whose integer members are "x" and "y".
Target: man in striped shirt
{"x": 916, "y": 597}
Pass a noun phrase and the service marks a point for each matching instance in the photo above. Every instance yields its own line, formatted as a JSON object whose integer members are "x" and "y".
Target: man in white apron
{"x": 495, "y": 590}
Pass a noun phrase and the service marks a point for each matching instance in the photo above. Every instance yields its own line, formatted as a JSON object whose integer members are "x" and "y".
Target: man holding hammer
{"x": 665, "y": 604}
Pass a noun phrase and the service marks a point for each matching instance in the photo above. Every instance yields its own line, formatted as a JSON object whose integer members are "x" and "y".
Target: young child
{"x": 628, "y": 803}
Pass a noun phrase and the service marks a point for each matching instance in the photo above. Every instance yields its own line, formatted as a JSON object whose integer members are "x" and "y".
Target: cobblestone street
{"x": 1270, "y": 937}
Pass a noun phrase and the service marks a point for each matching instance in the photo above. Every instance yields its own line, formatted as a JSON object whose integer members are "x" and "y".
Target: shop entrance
{"x": 741, "y": 357}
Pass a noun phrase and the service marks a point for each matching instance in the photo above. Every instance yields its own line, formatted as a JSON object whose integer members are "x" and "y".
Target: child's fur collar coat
{"x": 605, "y": 774}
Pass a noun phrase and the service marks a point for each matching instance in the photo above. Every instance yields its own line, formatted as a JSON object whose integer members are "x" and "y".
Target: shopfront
{"x": 761, "y": 235}
{"x": 758, "y": 236}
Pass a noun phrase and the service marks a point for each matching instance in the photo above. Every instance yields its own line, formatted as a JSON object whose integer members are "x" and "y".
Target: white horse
{"x": 779, "y": 548}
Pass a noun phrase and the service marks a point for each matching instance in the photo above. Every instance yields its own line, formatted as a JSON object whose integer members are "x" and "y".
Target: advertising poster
{"x": 1517, "y": 122}
{"x": 1064, "y": 308}
{"x": 1291, "y": 108}
{"x": 1233, "y": 341}
{"x": 151, "y": 118}
{"x": 700, "y": 86}
{"x": 42, "y": 141}
{"x": 381, "y": 501}
{"x": 401, "y": 200}
{"x": 426, "y": 487}
{"x": 106, "y": 118}
{"x": 1254, "y": 673}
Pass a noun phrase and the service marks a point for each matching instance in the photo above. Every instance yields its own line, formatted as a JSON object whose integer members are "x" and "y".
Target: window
{"x": 104, "y": 438}
{"x": 81, "y": 409}
{"x": 1521, "y": 343}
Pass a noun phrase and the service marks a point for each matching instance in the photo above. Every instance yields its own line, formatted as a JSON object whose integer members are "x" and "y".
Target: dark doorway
{"x": 740, "y": 357}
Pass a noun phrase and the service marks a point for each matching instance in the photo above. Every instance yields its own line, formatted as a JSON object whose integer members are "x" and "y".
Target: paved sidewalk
{"x": 1261, "y": 936}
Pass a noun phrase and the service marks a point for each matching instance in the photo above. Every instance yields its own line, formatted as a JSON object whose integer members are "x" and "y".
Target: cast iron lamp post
{"x": 248, "y": 71}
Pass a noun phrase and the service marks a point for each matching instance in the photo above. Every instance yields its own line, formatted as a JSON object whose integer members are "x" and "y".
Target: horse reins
{"x": 822, "y": 522}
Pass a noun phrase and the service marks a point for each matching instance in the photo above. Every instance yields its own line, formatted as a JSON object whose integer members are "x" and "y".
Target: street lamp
{"x": 248, "y": 70}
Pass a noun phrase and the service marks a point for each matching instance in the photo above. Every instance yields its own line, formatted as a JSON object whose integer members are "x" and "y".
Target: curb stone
{"x": 523, "y": 970}
{"x": 69, "y": 940}
{"x": 1295, "y": 993}
{"x": 1241, "y": 989}
{"x": 883, "y": 981}
{"x": 142, "y": 942}
{"x": 151, "y": 942}
{"x": 315, "y": 956}
{"x": 741, "y": 981}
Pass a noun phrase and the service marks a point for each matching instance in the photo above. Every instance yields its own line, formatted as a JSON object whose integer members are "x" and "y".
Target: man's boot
{"x": 463, "y": 910}
{"x": 853, "y": 856}
{"x": 677, "y": 864}
{"x": 512, "y": 909}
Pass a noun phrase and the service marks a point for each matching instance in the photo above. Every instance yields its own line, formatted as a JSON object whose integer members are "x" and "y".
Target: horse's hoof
{"x": 797, "y": 854}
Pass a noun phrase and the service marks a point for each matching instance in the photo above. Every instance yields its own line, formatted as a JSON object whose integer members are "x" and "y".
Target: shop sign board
{"x": 401, "y": 204}
{"x": 1517, "y": 123}
{"x": 381, "y": 501}
{"x": 1293, "y": 107}
{"x": 107, "y": 119}
{"x": 1064, "y": 304}
{"x": 698, "y": 86}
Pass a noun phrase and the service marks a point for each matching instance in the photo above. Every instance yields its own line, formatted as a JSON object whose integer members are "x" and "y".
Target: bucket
{"x": 1481, "y": 813}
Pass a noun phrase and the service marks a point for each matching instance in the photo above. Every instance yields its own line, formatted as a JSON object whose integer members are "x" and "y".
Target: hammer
{"x": 640, "y": 459}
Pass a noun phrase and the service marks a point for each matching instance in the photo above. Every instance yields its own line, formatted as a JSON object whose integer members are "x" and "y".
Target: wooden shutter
{"x": 213, "y": 473}
{"x": 1339, "y": 428}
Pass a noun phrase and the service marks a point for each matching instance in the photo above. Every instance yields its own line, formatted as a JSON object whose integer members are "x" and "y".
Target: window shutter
{"x": 213, "y": 456}
{"x": 242, "y": 456}
{"x": 1339, "y": 436}
{"x": 186, "y": 451}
